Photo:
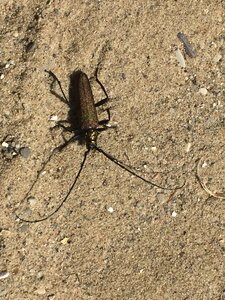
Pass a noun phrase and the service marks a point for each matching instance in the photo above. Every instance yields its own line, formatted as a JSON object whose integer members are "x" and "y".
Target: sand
{"x": 115, "y": 237}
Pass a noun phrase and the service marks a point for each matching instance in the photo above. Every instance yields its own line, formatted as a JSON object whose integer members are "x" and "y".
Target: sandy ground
{"x": 116, "y": 237}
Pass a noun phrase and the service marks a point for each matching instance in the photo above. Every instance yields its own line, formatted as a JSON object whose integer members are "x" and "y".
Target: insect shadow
{"x": 84, "y": 124}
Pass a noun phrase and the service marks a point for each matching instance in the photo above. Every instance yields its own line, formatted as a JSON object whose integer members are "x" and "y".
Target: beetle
{"x": 86, "y": 128}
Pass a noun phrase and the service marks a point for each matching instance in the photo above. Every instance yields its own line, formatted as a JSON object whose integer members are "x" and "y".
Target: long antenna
{"x": 127, "y": 168}
{"x": 60, "y": 86}
{"x": 65, "y": 198}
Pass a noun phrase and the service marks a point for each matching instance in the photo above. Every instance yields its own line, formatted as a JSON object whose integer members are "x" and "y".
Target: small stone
{"x": 110, "y": 210}
{"x": 203, "y": 91}
{"x": 4, "y": 274}
{"x": 180, "y": 58}
{"x": 53, "y": 118}
{"x": 4, "y": 144}
{"x": 174, "y": 214}
{"x": 188, "y": 147}
{"x": 204, "y": 165}
{"x": 222, "y": 243}
{"x": 40, "y": 275}
{"x": 64, "y": 241}
{"x": 32, "y": 201}
{"x": 25, "y": 152}
{"x": 2, "y": 76}
{"x": 30, "y": 46}
{"x": 217, "y": 58}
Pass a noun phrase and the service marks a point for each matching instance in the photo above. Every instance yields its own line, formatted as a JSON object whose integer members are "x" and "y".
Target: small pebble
{"x": 25, "y": 152}
{"x": 110, "y": 210}
{"x": 204, "y": 165}
{"x": 222, "y": 242}
{"x": 217, "y": 58}
{"x": 180, "y": 58}
{"x": 30, "y": 46}
{"x": 4, "y": 144}
{"x": 32, "y": 201}
{"x": 174, "y": 214}
{"x": 14, "y": 153}
{"x": 187, "y": 45}
{"x": 65, "y": 241}
{"x": 40, "y": 275}
{"x": 188, "y": 147}
{"x": 4, "y": 274}
{"x": 203, "y": 91}
{"x": 53, "y": 118}
{"x": 2, "y": 76}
